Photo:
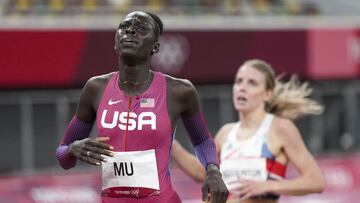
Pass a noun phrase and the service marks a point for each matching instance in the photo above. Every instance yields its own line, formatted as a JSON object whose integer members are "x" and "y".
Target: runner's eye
{"x": 253, "y": 83}
{"x": 238, "y": 81}
{"x": 141, "y": 27}
{"x": 124, "y": 26}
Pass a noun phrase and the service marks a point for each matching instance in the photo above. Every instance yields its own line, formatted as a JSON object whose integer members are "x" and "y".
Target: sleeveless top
{"x": 250, "y": 159}
{"x": 139, "y": 123}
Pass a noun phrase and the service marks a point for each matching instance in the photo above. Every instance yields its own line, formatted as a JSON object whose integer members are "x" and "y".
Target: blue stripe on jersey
{"x": 265, "y": 152}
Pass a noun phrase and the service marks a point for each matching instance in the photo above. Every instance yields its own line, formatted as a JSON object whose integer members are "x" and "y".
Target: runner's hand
{"x": 214, "y": 189}
{"x": 91, "y": 150}
{"x": 251, "y": 188}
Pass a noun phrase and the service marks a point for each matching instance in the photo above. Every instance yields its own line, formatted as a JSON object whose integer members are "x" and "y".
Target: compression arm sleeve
{"x": 201, "y": 139}
{"x": 76, "y": 130}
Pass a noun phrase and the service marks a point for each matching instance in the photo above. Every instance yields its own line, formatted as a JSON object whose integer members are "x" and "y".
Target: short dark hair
{"x": 158, "y": 22}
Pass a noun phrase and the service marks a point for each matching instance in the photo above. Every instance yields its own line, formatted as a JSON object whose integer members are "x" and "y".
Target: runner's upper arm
{"x": 221, "y": 135}
{"x": 85, "y": 108}
{"x": 183, "y": 97}
{"x": 190, "y": 99}
{"x": 295, "y": 148}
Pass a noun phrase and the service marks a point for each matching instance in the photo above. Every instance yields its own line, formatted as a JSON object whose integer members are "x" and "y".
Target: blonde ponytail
{"x": 291, "y": 100}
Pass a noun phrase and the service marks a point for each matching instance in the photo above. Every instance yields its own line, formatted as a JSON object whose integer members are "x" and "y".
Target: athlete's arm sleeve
{"x": 204, "y": 145}
{"x": 76, "y": 130}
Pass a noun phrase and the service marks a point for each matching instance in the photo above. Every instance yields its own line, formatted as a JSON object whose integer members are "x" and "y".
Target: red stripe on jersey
{"x": 275, "y": 167}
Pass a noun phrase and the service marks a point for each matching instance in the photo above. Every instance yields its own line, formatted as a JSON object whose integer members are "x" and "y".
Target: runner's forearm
{"x": 76, "y": 130}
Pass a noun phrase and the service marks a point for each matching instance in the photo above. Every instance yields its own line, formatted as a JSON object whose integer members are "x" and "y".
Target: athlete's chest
{"x": 131, "y": 113}
{"x": 134, "y": 121}
{"x": 233, "y": 148}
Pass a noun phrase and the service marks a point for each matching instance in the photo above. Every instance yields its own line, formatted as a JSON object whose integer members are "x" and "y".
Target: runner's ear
{"x": 156, "y": 48}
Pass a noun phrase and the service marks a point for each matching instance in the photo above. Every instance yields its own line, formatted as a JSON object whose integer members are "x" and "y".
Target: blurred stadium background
{"x": 49, "y": 48}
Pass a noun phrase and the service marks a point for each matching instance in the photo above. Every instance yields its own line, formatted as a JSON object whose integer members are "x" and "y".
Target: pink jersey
{"x": 139, "y": 123}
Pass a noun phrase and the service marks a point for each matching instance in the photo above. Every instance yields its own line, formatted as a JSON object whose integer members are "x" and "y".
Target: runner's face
{"x": 136, "y": 35}
{"x": 249, "y": 89}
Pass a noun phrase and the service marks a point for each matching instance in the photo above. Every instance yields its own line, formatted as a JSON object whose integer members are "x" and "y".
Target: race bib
{"x": 233, "y": 170}
{"x": 130, "y": 174}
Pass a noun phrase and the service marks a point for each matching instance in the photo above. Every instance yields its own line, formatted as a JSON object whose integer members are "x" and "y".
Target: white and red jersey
{"x": 249, "y": 159}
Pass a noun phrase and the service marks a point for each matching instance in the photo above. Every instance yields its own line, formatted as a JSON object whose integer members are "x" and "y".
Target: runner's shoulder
{"x": 97, "y": 83}
{"x": 183, "y": 88}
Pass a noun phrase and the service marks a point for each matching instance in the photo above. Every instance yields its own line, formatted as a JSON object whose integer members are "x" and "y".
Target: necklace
{"x": 126, "y": 82}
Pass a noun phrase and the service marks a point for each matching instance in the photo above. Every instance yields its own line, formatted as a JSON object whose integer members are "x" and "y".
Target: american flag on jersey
{"x": 147, "y": 102}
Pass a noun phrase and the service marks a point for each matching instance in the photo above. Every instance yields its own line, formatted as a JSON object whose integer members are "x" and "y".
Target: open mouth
{"x": 128, "y": 41}
{"x": 241, "y": 99}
